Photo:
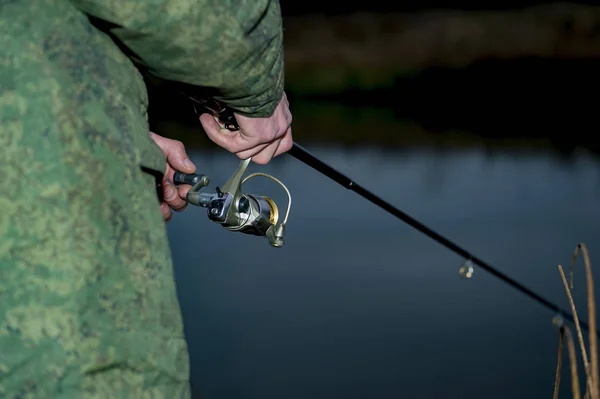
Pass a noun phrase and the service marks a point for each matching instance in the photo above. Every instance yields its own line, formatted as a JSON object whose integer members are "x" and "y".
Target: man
{"x": 88, "y": 307}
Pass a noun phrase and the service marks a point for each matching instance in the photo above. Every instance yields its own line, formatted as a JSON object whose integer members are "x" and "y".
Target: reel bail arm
{"x": 237, "y": 211}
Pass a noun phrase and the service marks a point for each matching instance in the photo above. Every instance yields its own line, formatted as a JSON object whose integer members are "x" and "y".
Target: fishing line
{"x": 307, "y": 158}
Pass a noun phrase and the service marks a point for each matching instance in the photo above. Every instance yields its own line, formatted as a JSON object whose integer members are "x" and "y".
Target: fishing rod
{"x": 258, "y": 215}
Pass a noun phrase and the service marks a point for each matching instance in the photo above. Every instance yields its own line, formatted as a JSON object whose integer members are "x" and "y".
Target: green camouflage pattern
{"x": 88, "y": 305}
{"x": 234, "y": 46}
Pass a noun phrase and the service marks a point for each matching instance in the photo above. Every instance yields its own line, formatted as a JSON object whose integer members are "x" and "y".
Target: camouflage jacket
{"x": 88, "y": 305}
{"x": 234, "y": 47}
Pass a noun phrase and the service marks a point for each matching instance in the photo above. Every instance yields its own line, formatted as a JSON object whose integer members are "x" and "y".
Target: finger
{"x": 183, "y": 190}
{"x": 285, "y": 144}
{"x": 177, "y": 158}
{"x": 268, "y": 148}
{"x": 172, "y": 198}
{"x": 166, "y": 211}
{"x": 174, "y": 151}
{"x": 252, "y": 152}
{"x": 232, "y": 141}
{"x": 263, "y": 157}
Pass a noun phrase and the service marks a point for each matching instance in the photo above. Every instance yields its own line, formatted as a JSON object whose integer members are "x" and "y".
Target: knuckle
{"x": 168, "y": 197}
{"x": 179, "y": 145}
{"x": 169, "y": 193}
{"x": 287, "y": 145}
{"x": 281, "y": 130}
{"x": 276, "y": 133}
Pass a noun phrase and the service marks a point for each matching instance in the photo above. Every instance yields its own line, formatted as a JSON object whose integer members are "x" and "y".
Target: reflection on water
{"x": 359, "y": 305}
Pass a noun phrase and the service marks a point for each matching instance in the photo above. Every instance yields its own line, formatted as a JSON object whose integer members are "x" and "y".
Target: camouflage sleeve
{"x": 232, "y": 46}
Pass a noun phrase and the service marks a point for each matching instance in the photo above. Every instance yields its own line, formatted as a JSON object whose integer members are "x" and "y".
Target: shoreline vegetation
{"x": 365, "y": 50}
{"x": 442, "y": 78}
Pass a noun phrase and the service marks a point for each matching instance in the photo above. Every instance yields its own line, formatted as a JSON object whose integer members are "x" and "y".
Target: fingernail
{"x": 188, "y": 163}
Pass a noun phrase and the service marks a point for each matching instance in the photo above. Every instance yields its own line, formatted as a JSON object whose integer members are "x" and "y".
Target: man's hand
{"x": 173, "y": 198}
{"x": 259, "y": 138}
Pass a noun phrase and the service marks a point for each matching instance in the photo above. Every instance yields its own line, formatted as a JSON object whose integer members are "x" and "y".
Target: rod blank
{"x": 307, "y": 158}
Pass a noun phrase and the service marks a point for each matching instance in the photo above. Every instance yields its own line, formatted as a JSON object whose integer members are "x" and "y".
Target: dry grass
{"x": 590, "y": 362}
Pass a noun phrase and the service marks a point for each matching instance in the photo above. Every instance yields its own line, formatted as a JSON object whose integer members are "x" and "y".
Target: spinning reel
{"x": 237, "y": 211}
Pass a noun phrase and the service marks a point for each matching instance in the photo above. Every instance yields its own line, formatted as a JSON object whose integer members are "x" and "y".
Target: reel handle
{"x": 189, "y": 178}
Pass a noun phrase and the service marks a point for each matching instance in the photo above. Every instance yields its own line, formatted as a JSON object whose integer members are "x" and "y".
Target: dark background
{"x": 291, "y": 7}
{"x": 482, "y": 124}
{"x": 446, "y": 83}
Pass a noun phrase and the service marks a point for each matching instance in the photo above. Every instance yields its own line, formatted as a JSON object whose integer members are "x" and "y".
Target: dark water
{"x": 359, "y": 305}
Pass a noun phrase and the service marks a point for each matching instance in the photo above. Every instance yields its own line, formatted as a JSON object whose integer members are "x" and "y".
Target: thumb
{"x": 181, "y": 162}
{"x": 177, "y": 158}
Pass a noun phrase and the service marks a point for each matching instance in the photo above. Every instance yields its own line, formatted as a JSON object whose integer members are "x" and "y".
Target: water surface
{"x": 360, "y": 305}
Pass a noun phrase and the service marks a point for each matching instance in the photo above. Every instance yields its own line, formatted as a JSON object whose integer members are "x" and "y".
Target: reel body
{"x": 237, "y": 211}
